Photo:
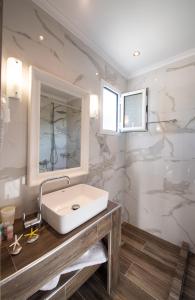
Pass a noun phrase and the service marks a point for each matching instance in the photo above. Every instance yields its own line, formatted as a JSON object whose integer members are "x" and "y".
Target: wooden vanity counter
{"x": 24, "y": 274}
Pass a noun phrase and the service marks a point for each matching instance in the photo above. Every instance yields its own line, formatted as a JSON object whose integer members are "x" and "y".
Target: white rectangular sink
{"x": 66, "y": 209}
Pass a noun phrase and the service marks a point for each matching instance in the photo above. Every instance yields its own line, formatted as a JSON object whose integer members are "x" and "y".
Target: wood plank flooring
{"x": 189, "y": 284}
{"x": 148, "y": 267}
{"x": 176, "y": 288}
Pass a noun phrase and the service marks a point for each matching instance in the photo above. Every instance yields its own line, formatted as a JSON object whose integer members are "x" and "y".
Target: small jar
{"x": 8, "y": 215}
{"x": 10, "y": 232}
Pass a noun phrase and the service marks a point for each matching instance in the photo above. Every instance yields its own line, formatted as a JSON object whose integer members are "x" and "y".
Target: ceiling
{"x": 162, "y": 30}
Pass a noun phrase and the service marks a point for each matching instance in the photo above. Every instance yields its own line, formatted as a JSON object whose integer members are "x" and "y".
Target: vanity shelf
{"x": 23, "y": 275}
{"x": 67, "y": 285}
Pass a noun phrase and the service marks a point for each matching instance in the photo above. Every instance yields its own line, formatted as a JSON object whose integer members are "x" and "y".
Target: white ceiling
{"x": 162, "y": 30}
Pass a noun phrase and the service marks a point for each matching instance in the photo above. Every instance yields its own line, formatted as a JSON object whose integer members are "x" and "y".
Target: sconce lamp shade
{"x": 14, "y": 78}
{"x": 93, "y": 106}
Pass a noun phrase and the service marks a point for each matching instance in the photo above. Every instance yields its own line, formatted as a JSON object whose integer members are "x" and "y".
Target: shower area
{"x": 60, "y": 131}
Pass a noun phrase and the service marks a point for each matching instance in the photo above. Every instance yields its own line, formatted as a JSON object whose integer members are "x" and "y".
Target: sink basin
{"x": 66, "y": 209}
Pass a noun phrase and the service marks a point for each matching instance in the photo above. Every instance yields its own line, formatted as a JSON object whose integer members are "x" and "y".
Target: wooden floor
{"x": 189, "y": 284}
{"x": 147, "y": 269}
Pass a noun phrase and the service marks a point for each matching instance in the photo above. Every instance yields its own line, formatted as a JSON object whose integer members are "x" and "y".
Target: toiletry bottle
{"x": 10, "y": 232}
{"x": 1, "y": 233}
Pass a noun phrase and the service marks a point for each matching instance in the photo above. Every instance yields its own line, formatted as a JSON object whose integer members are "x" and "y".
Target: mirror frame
{"x": 36, "y": 77}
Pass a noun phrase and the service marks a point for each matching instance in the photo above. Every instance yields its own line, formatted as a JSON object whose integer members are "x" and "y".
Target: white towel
{"x": 94, "y": 256}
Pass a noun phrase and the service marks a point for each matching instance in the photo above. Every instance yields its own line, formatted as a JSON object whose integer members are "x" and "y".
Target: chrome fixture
{"x": 38, "y": 219}
{"x": 32, "y": 222}
{"x": 46, "y": 181}
{"x": 163, "y": 121}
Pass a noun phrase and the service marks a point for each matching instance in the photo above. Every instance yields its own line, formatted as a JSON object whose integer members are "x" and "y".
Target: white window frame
{"x": 144, "y": 111}
{"x": 107, "y": 85}
{"x": 120, "y": 110}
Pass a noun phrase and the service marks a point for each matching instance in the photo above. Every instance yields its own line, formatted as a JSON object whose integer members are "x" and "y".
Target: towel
{"x": 95, "y": 255}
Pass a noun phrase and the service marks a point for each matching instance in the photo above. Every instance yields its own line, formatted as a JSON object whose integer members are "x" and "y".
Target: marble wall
{"x": 152, "y": 174}
{"x": 61, "y": 54}
{"x": 160, "y": 163}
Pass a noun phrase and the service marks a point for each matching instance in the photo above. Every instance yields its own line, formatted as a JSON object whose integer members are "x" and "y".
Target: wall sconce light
{"x": 93, "y": 106}
{"x": 14, "y": 78}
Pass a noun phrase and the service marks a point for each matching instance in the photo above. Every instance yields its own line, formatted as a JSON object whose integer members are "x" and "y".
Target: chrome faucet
{"x": 38, "y": 219}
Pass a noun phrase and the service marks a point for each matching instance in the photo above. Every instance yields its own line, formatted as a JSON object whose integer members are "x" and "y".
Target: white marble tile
{"x": 152, "y": 174}
{"x": 161, "y": 163}
{"x": 61, "y": 54}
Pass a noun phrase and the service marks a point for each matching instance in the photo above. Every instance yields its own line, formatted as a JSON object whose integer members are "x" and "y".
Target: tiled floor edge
{"x": 178, "y": 280}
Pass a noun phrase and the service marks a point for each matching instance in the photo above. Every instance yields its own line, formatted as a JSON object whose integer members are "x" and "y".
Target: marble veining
{"x": 151, "y": 174}
{"x": 172, "y": 99}
{"x": 89, "y": 56}
{"x": 26, "y": 36}
{"x": 70, "y": 59}
{"x": 46, "y": 28}
{"x": 191, "y": 64}
{"x": 160, "y": 163}
{"x": 78, "y": 79}
{"x": 17, "y": 43}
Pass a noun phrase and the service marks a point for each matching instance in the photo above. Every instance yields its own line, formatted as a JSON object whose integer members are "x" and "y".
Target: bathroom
{"x": 87, "y": 48}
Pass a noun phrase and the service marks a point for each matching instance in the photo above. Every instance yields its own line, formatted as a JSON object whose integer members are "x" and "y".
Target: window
{"x": 134, "y": 111}
{"x": 122, "y": 112}
{"x": 109, "y": 108}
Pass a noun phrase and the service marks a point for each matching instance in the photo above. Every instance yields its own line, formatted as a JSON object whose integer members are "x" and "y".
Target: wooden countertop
{"x": 48, "y": 242}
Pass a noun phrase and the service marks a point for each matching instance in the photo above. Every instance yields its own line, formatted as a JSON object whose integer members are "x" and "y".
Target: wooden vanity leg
{"x": 114, "y": 238}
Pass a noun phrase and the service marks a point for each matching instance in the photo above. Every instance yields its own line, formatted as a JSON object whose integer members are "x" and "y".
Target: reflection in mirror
{"x": 60, "y": 130}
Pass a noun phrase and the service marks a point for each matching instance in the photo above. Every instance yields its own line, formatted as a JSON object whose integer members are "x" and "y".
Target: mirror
{"x": 60, "y": 130}
{"x": 58, "y": 142}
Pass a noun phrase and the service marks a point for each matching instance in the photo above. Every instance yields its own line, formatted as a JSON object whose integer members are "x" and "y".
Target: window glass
{"x": 132, "y": 111}
{"x": 109, "y": 110}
